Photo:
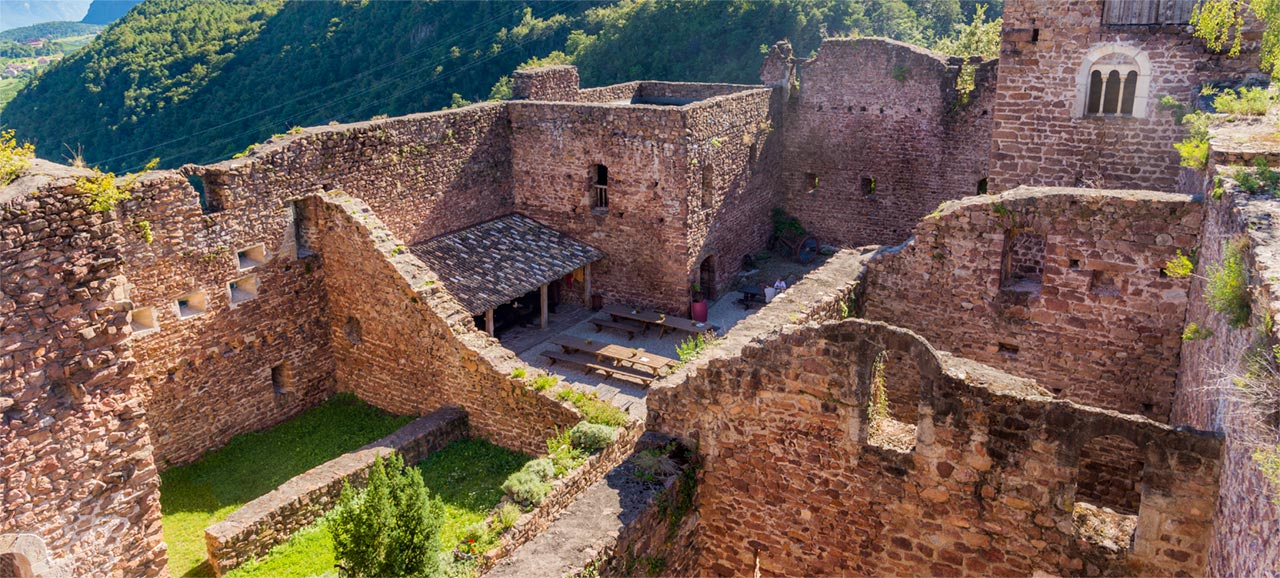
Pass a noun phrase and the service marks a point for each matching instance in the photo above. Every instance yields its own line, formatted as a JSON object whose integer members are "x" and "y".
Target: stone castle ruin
{"x": 999, "y": 278}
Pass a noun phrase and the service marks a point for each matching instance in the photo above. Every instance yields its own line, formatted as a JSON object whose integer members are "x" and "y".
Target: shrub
{"x": 1227, "y": 289}
{"x": 694, "y": 346}
{"x": 592, "y": 437}
{"x": 1194, "y": 332}
{"x": 1260, "y": 179}
{"x": 526, "y": 488}
{"x": 1179, "y": 266}
{"x": 14, "y": 158}
{"x": 655, "y": 464}
{"x": 543, "y": 468}
{"x": 1268, "y": 460}
{"x": 103, "y": 192}
{"x": 1195, "y": 148}
{"x": 1245, "y": 101}
{"x": 545, "y": 382}
{"x": 519, "y": 373}
{"x": 878, "y": 405}
{"x": 592, "y": 409}
{"x": 563, "y": 455}
{"x": 392, "y": 528}
{"x": 506, "y": 517}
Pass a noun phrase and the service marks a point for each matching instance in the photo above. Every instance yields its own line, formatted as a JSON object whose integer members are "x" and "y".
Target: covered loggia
{"x": 510, "y": 271}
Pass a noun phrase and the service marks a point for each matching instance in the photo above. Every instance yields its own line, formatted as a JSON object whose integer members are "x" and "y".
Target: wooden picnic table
{"x": 662, "y": 321}
{"x": 636, "y": 358}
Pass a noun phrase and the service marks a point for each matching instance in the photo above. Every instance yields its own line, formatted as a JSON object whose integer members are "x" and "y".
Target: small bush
{"x": 592, "y": 437}
{"x": 655, "y": 464}
{"x": 694, "y": 346}
{"x": 1195, "y": 148}
{"x": 526, "y": 488}
{"x": 1194, "y": 332}
{"x": 1227, "y": 289}
{"x": 519, "y": 373}
{"x": 1260, "y": 179}
{"x": 506, "y": 517}
{"x": 392, "y": 528}
{"x": 545, "y": 382}
{"x": 14, "y": 158}
{"x": 103, "y": 192}
{"x": 592, "y": 409}
{"x": 1179, "y": 267}
{"x": 1245, "y": 101}
{"x": 476, "y": 539}
{"x": 543, "y": 468}
{"x": 563, "y": 455}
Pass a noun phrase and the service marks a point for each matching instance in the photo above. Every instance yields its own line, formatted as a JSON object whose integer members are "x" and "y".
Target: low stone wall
{"x": 269, "y": 520}
{"x": 651, "y": 542}
{"x": 563, "y": 492}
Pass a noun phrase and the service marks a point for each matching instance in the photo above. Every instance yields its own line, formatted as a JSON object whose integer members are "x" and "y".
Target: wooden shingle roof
{"x": 494, "y": 262}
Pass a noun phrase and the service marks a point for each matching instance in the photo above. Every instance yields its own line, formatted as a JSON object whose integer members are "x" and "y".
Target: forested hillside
{"x": 198, "y": 80}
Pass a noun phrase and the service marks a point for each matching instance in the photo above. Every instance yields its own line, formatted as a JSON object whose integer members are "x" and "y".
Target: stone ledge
{"x": 255, "y": 528}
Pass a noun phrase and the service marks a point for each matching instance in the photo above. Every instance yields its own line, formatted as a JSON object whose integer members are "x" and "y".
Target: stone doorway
{"x": 707, "y": 277}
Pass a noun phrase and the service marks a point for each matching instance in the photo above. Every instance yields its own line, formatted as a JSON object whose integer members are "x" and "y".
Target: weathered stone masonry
{"x": 76, "y": 463}
{"x": 879, "y": 135}
{"x": 1101, "y": 324}
{"x": 790, "y": 485}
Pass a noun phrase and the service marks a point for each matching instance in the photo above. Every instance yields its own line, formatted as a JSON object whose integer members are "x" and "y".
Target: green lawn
{"x": 194, "y": 496}
{"x": 466, "y": 475}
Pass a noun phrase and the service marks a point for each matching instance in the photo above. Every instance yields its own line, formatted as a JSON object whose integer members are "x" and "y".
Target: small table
{"x": 751, "y": 294}
{"x": 617, "y": 354}
{"x": 662, "y": 321}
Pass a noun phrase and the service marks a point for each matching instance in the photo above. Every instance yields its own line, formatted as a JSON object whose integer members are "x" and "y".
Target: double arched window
{"x": 1114, "y": 81}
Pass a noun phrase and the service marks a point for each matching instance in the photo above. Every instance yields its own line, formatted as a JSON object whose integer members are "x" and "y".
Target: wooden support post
{"x": 586, "y": 283}
{"x": 488, "y": 322}
{"x": 542, "y": 296}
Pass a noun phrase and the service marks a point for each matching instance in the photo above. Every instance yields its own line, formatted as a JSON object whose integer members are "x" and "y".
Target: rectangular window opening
{"x": 243, "y": 289}
{"x": 192, "y": 304}
{"x": 210, "y": 196}
{"x": 1007, "y": 349}
{"x": 302, "y": 230}
{"x": 868, "y": 186}
{"x": 281, "y": 380}
{"x": 251, "y": 257}
{"x": 143, "y": 320}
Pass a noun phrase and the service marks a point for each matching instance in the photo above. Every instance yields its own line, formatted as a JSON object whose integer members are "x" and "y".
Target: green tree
{"x": 392, "y": 528}
{"x": 977, "y": 38}
{"x": 1220, "y": 24}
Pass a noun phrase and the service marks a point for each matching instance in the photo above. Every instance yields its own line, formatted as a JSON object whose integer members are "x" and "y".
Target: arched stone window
{"x": 1114, "y": 80}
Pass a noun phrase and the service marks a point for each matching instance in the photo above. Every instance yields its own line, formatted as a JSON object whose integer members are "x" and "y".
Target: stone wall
{"x": 655, "y": 187}
{"x": 790, "y": 485}
{"x": 251, "y": 531}
{"x": 1102, "y": 325}
{"x": 1247, "y": 522}
{"x": 76, "y": 466}
{"x": 402, "y": 343}
{"x": 871, "y": 109}
{"x": 1042, "y": 137}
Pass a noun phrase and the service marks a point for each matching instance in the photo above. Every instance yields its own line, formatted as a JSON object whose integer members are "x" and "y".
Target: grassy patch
{"x": 592, "y": 408}
{"x": 466, "y": 476}
{"x": 197, "y": 495}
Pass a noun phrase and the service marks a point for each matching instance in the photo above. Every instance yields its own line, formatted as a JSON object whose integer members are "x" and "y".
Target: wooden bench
{"x": 589, "y": 362}
{"x": 602, "y": 322}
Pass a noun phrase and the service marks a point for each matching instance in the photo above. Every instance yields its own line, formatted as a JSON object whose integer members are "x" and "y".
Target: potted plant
{"x": 698, "y": 309}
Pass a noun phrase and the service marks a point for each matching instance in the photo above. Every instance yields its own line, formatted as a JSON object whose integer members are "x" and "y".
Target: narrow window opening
{"x": 811, "y": 181}
{"x": 353, "y": 331}
{"x": 251, "y": 257}
{"x": 243, "y": 289}
{"x": 1022, "y": 262}
{"x": 599, "y": 187}
{"x": 1007, "y": 349}
{"x": 894, "y": 406}
{"x": 210, "y": 196}
{"x": 1035, "y": 35}
{"x": 868, "y": 186}
{"x": 1074, "y": 263}
{"x": 143, "y": 320}
{"x": 281, "y": 379}
{"x": 1095, "y": 92}
{"x": 302, "y": 230}
{"x": 982, "y": 186}
{"x": 192, "y": 304}
{"x": 1111, "y": 93}
{"x": 1129, "y": 94}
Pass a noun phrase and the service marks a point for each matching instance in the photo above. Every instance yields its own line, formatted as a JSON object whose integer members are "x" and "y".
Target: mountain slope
{"x": 198, "y": 80}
